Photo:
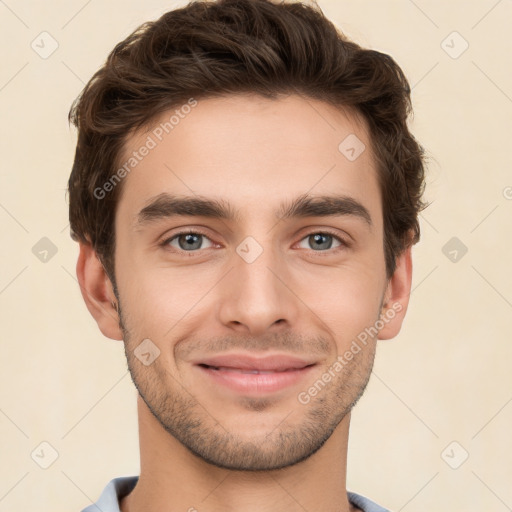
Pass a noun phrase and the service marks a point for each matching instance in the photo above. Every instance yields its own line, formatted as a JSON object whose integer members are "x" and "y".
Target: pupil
{"x": 319, "y": 237}
{"x": 190, "y": 240}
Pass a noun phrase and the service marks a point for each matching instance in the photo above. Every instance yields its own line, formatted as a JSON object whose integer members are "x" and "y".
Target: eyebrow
{"x": 166, "y": 205}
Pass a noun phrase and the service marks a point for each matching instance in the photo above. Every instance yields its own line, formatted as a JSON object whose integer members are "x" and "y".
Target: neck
{"x": 174, "y": 479}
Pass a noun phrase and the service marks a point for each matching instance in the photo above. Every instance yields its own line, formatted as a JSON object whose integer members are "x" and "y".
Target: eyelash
{"x": 343, "y": 242}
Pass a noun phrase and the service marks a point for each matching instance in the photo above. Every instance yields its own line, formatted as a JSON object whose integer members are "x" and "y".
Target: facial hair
{"x": 185, "y": 417}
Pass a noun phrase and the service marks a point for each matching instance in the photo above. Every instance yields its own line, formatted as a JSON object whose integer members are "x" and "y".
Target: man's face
{"x": 256, "y": 285}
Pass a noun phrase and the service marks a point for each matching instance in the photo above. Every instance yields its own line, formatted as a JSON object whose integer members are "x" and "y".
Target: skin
{"x": 205, "y": 447}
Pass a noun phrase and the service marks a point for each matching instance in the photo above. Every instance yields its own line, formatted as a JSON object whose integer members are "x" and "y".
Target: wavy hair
{"x": 217, "y": 48}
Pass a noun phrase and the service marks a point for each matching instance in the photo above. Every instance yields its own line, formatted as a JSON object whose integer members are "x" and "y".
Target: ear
{"x": 396, "y": 297}
{"x": 98, "y": 292}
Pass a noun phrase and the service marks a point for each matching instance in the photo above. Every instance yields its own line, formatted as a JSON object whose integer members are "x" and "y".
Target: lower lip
{"x": 256, "y": 383}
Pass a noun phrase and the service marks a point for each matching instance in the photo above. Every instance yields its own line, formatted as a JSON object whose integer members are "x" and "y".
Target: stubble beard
{"x": 192, "y": 422}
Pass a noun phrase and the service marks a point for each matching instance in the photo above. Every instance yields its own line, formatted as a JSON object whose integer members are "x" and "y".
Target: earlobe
{"x": 97, "y": 292}
{"x": 397, "y": 296}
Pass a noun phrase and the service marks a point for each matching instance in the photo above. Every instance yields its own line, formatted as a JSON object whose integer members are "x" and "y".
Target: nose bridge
{"x": 256, "y": 297}
{"x": 258, "y": 275}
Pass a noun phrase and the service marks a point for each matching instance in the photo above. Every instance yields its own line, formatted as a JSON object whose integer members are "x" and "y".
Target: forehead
{"x": 252, "y": 152}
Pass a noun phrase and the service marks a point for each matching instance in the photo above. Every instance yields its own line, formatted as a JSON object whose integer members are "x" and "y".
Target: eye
{"x": 193, "y": 241}
{"x": 188, "y": 241}
{"x": 323, "y": 241}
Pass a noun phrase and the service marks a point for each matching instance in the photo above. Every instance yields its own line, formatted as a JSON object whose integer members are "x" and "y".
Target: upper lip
{"x": 274, "y": 362}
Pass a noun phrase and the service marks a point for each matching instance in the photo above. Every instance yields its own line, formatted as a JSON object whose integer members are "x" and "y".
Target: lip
{"x": 273, "y": 362}
{"x": 255, "y": 375}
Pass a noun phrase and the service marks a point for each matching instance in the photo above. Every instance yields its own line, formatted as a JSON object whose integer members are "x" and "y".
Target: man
{"x": 245, "y": 193}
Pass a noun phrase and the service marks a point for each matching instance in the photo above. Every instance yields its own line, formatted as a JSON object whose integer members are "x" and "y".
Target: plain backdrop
{"x": 432, "y": 431}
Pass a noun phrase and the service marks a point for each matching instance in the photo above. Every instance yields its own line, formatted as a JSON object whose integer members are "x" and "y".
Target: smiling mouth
{"x": 245, "y": 373}
{"x": 251, "y": 371}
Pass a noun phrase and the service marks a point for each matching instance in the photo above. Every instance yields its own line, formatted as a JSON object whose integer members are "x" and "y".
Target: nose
{"x": 257, "y": 296}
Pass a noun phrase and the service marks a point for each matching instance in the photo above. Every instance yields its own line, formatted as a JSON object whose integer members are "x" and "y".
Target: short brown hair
{"x": 217, "y": 48}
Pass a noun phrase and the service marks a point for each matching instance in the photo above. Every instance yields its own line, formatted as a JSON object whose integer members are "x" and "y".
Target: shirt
{"x": 122, "y": 486}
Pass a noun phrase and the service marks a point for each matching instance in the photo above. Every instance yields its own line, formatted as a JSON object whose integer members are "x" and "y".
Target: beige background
{"x": 445, "y": 378}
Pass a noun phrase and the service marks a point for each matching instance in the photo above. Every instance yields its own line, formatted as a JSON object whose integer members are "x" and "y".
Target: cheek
{"x": 347, "y": 302}
{"x": 159, "y": 301}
